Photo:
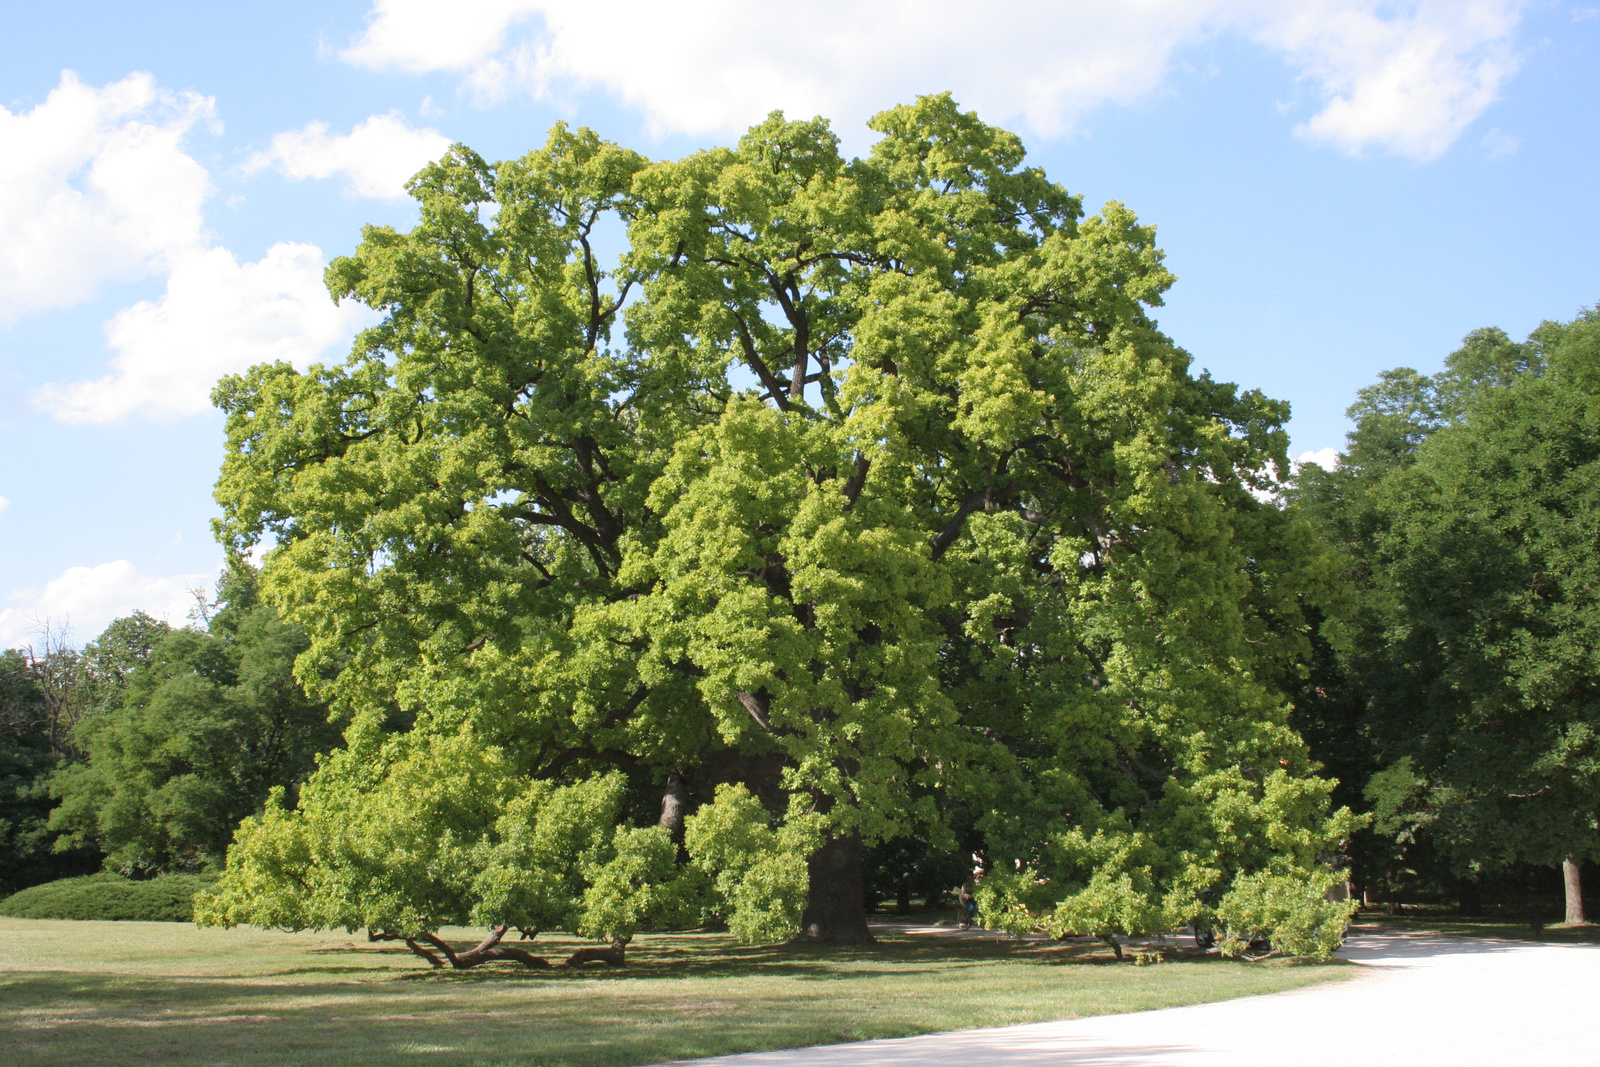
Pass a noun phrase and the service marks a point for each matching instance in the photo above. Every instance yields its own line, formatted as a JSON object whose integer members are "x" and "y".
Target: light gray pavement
{"x": 1420, "y": 1001}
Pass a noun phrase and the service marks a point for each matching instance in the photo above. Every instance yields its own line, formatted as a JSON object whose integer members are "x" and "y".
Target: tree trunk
{"x": 902, "y": 899}
{"x": 674, "y": 806}
{"x": 1469, "y": 899}
{"x": 836, "y": 909}
{"x": 1572, "y": 876}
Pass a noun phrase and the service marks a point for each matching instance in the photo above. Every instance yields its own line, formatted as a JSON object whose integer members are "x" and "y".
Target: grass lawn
{"x": 103, "y": 993}
{"x": 1417, "y": 920}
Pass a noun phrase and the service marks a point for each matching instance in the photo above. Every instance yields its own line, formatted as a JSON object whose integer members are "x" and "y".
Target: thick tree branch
{"x": 753, "y": 358}
{"x": 951, "y": 530}
{"x": 757, "y": 709}
{"x": 853, "y": 487}
{"x": 1094, "y": 661}
{"x": 787, "y": 293}
{"x": 485, "y": 951}
{"x": 982, "y": 499}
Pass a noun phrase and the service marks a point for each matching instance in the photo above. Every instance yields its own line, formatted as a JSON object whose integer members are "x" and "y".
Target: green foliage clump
{"x": 405, "y": 834}
{"x": 26, "y": 762}
{"x": 1116, "y": 880}
{"x": 1291, "y": 912}
{"x": 758, "y": 874}
{"x": 109, "y": 896}
{"x": 43, "y": 693}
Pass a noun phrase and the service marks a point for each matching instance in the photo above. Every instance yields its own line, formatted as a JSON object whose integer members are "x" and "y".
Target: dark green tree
{"x": 195, "y": 729}
{"x": 27, "y": 852}
{"x": 107, "y": 663}
{"x": 1469, "y": 511}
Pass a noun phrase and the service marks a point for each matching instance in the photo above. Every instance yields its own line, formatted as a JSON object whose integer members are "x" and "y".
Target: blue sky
{"x": 1341, "y": 186}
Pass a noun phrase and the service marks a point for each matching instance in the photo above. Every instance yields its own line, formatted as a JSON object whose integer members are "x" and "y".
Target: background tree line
{"x": 142, "y": 751}
{"x": 1454, "y": 694}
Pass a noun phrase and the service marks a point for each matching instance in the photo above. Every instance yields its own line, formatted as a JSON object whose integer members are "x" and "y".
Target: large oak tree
{"x": 854, "y": 494}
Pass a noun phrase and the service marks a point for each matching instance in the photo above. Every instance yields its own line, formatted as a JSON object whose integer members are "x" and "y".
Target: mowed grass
{"x": 103, "y": 993}
{"x": 1448, "y": 924}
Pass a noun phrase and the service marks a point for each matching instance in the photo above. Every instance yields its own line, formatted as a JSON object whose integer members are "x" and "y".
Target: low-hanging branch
{"x": 490, "y": 950}
{"x": 485, "y": 951}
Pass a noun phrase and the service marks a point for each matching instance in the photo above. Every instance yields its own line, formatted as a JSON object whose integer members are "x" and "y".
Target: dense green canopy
{"x": 47, "y": 692}
{"x": 191, "y": 730}
{"x": 1469, "y": 508}
{"x": 858, "y": 499}
{"x": 25, "y": 765}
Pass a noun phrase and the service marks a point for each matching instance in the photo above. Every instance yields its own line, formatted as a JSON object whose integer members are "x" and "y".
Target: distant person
{"x": 968, "y": 901}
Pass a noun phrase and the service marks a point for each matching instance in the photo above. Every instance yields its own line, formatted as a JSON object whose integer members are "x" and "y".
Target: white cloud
{"x": 217, "y": 317}
{"x": 95, "y": 186}
{"x": 377, "y": 158}
{"x": 1402, "y": 77}
{"x": 1406, "y": 82}
{"x": 4, "y": 503}
{"x": 424, "y": 35}
{"x": 1326, "y": 458}
{"x": 88, "y": 598}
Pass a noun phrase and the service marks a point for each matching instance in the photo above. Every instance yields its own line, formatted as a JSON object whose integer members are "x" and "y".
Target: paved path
{"x": 1424, "y": 1001}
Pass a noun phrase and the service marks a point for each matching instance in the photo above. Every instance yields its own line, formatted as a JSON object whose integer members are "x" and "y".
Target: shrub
{"x": 168, "y": 898}
{"x": 1293, "y": 913}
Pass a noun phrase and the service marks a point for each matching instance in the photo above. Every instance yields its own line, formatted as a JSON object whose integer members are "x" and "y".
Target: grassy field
{"x": 101, "y": 993}
{"x": 1424, "y": 921}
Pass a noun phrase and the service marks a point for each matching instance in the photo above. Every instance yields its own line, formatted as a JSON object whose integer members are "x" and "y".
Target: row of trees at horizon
{"x": 142, "y": 751}
{"x": 595, "y": 640}
{"x": 1457, "y": 699}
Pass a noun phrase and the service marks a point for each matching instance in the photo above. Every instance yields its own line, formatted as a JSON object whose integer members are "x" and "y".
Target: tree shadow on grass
{"x": 713, "y": 956}
{"x": 1510, "y": 930}
{"x": 696, "y": 955}
{"x": 646, "y": 970}
{"x": 833, "y": 964}
{"x": 325, "y": 968}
